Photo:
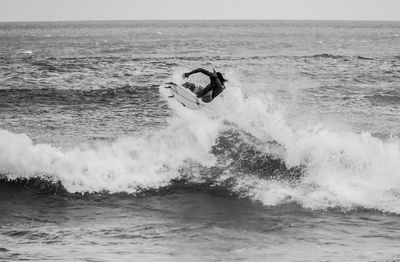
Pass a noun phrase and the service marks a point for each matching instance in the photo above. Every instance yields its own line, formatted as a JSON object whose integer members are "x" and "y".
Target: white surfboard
{"x": 184, "y": 96}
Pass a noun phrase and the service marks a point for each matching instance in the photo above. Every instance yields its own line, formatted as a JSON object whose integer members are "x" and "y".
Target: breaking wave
{"x": 242, "y": 145}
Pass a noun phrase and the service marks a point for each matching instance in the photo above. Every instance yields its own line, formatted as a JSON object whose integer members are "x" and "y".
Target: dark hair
{"x": 221, "y": 78}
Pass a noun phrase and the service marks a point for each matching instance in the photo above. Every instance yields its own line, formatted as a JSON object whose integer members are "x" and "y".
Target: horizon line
{"x": 201, "y": 19}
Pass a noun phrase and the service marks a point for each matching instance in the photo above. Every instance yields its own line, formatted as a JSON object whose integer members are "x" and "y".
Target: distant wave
{"x": 90, "y": 61}
{"x": 46, "y": 65}
{"x": 332, "y": 56}
{"x": 384, "y": 98}
{"x": 324, "y": 55}
{"x": 67, "y": 99}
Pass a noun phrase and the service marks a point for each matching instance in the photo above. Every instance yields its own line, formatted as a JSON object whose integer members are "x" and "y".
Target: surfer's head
{"x": 221, "y": 77}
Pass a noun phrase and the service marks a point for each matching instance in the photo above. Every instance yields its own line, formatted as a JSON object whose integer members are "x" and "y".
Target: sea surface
{"x": 297, "y": 160}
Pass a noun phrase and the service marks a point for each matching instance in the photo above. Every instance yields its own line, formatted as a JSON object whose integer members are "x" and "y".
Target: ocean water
{"x": 298, "y": 160}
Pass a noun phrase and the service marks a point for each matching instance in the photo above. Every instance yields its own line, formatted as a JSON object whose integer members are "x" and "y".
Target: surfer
{"x": 212, "y": 90}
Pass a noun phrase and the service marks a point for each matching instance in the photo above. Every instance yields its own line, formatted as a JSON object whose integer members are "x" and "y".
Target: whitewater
{"x": 340, "y": 169}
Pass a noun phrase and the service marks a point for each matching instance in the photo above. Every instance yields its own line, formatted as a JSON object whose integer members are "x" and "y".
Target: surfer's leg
{"x": 205, "y": 90}
{"x": 197, "y": 90}
{"x": 206, "y": 98}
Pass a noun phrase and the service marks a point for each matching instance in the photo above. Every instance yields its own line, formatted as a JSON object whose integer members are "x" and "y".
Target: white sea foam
{"x": 27, "y": 52}
{"x": 124, "y": 165}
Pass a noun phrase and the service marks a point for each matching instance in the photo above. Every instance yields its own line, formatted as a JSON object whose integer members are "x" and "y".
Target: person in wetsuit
{"x": 212, "y": 90}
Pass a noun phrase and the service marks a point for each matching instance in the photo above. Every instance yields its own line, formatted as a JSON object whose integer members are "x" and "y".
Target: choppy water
{"x": 298, "y": 161}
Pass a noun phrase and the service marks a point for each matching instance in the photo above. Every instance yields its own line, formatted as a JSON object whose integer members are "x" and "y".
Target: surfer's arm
{"x": 198, "y": 70}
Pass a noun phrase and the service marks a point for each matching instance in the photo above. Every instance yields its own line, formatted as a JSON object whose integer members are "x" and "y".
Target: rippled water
{"x": 298, "y": 161}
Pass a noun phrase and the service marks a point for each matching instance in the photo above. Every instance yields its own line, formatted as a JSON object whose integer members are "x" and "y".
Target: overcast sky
{"x": 49, "y": 10}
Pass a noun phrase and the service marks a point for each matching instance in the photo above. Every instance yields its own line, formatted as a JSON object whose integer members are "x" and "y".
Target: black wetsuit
{"x": 214, "y": 86}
